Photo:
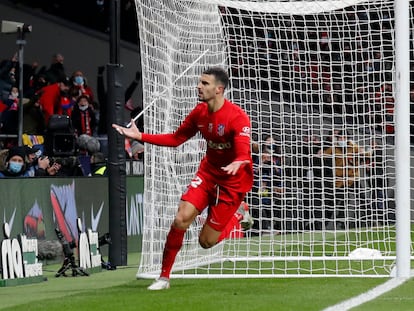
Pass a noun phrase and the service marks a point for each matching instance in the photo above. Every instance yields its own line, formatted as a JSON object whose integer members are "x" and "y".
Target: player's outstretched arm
{"x": 131, "y": 132}
{"x": 233, "y": 167}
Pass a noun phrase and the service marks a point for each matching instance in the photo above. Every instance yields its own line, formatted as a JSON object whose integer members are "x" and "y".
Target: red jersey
{"x": 227, "y": 133}
{"x": 52, "y": 102}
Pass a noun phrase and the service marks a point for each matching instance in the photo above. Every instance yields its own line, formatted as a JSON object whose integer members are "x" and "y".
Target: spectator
{"x": 263, "y": 181}
{"x": 55, "y": 168}
{"x": 8, "y": 71}
{"x": 83, "y": 117}
{"x": 36, "y": 165}
{"x": 15, "y": 165}
{"x": 80, "y": 87}
{"x": 56, "y": 71}
{"x": 87, "y": 146}
{"x": 59, "y": 166}
{"x": 378, "y": 183}
{"x": 37, "y": 82}
{"x": 33, "y": 118}
{"x": 345, "y": 157}
{"x": 312, "y": 175}
{"x": 98, "y": 164}
{"x": 30, "y": 72}
{"x": 268, "y": 185}
{"x": 10, "y": 116}
{"x": 54, "y": 99}
{"x": 269, "y": 145}
{"x": 3, "y": 155}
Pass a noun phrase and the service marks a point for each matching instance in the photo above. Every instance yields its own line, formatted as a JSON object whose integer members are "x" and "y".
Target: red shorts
{"x": 222, "y": 201}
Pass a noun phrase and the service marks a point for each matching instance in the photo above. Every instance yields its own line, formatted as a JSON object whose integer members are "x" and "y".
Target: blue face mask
{"x": 15, "y": 167}
{"x": 79, "y": 80}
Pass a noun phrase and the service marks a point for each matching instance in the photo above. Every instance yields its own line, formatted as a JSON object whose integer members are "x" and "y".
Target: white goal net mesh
{"x": 310, "y": 74}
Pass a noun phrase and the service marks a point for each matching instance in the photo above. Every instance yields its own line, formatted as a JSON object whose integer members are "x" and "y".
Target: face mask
{"x": 79, "y": 80}
{"x": 83, "y": 108}
{"x": 15, "y": 167}
{"x": 14, "y": 95}
{"x": 342, "y": 143}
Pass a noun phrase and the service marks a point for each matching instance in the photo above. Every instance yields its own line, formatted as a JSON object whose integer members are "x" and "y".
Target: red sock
{"x": 172, "y": 246}
{"x": 231, "y": 225}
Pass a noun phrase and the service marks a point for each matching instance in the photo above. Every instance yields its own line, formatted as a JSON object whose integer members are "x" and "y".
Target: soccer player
{"x": 225, "y": 173}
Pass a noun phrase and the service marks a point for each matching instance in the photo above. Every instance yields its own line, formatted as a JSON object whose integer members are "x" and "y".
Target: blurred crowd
{"x": 64, "y": 119}
{"x": 340, "y": 67}
{"x": 331, "y": 182}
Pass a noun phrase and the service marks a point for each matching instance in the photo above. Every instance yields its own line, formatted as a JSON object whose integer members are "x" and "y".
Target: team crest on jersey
{"x": 220, "y": 129}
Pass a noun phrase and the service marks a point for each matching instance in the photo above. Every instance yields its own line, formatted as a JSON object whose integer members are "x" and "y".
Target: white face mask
{"x": 83, "y": 108}
{"x": 342, "y": 143}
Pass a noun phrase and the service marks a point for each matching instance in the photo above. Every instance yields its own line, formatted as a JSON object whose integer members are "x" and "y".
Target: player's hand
{"x": 131, "y": 132}
{"x": 233, "y": 167}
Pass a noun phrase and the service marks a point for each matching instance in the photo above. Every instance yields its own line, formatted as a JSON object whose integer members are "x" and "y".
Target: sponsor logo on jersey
{"x": 219, "y": 146}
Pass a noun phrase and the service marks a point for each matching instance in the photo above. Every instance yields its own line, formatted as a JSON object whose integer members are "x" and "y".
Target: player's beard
{"x": 202, "y": 97}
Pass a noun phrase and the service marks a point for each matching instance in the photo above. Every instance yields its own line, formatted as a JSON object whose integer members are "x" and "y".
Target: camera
{"x": 66, "y": 246}
{"x": 15, "y": 27}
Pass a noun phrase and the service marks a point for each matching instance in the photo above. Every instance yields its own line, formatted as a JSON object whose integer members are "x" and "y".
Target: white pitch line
{"x": 367, "y": 296}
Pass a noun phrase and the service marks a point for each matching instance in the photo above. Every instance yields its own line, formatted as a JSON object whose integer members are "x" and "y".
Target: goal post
{"x": 310, "y": 74}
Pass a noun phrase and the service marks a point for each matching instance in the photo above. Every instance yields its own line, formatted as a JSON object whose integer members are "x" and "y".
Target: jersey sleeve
{"x": 242, "y": 133}
{"x": 185, "y": 131}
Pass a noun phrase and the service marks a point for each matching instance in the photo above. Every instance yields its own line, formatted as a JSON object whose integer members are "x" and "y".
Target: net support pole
{"x": 402, "y": 137}
{"x": 118, "y": 251}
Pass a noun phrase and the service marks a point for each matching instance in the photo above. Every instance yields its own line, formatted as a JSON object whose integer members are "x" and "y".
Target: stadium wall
{"x": 36, "y": 206}
{"x": 83, "y": 49}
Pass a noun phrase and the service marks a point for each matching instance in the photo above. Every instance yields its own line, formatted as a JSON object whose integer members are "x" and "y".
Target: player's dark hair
{"x": 219, "y": 74}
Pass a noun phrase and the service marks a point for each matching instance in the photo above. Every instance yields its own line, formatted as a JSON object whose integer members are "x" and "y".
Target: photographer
{"x": 53, "y": 169}
{"x": 38, "y": 166}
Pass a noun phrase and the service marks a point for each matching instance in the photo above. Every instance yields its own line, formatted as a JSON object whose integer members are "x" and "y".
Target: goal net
{"x": 310, "y": 74}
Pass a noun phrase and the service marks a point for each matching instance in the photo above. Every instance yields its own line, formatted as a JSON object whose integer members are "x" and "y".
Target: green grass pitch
{"x": 120, "y": 290}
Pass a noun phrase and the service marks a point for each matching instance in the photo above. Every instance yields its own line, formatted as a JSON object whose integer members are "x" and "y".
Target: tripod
{"x": 69, "y": 262}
